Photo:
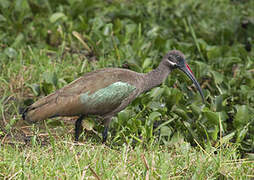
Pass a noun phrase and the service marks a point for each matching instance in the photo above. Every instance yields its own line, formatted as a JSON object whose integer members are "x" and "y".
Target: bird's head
{"x": 176, "y": 60}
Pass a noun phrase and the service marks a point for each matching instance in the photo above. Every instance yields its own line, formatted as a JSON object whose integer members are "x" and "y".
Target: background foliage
{"x": 47, "y": 44}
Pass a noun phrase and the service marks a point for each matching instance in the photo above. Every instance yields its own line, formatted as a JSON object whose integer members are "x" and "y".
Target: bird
{"x": 105, "y": 92}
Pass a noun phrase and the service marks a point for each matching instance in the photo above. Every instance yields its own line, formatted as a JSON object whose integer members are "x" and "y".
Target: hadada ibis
{"x": 105, "y": 92}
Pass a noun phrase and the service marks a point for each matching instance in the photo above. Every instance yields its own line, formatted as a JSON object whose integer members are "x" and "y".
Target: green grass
{"x": 63, "y": 159}
{"x": 45, "y": 45}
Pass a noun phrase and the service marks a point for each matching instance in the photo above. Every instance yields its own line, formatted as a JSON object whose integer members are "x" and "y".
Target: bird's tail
{"x": 41, "y": 110}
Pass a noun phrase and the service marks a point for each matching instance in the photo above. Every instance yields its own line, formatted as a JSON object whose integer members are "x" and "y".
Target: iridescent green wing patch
{"x": 111, "y": 95}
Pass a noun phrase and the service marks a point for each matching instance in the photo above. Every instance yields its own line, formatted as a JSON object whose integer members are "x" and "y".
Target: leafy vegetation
{"x": 47, "y": 44}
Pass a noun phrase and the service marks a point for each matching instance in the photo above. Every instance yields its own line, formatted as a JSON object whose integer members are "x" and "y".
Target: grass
{"x": 165, "y": 133}
{"x": 63, "y": 159}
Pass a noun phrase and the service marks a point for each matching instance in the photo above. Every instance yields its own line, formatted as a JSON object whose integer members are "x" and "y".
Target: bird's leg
{"x": 78, "y": 127}
{"x": 105, "y": 131}
{"x": 105, "y": 134}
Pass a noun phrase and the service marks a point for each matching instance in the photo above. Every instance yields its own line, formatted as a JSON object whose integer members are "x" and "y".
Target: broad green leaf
{"x": 155, "y": 105}
{"x": 241, "y": 134}
{"x": 212, "y": 117}
{"x": 172, "y": 97}
{"x": 164, "y": 124}
{"x": 156, "y": 92}
{"x": 225, "y": 139}
{"x": 97, "y": 23}
{"x": 165, "y": 131}
{"x": 153, "y": 32}
{"x": 2, "y": 18}
{"x": 191, "y": 131}
{"x": 10, "y": 52}
{"x": 107, "y": 29}
{"x": 250, "y": 156}
{"x": 130, "y": 28}
{"x": 181, "y": 113}
{"x": 21, "y": 5}
{"x": 50, "y": 78}
{"x": 19, "y": 39}
{"x": 5, "y": 4}
{"x": 56, "y": 16}
{"x": 154, "y": 115}
{"x": 123, "y": 115}
{"x": 147, "y": 62}
{"x": 242, "y": 116}
{"x": 213, "y": 52}
{"x": 195, "y": 109}
{"x": 118, "y": 25}
{"x": 35, "y": 88}
{"x": 218, "y": 103}
{"x": 218, "y": 77}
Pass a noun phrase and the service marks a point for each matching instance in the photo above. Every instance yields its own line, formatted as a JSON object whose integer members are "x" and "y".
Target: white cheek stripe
{"x": 172, "y": 63}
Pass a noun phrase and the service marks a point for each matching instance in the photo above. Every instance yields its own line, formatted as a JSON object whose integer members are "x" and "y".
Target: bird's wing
{"x": 90, "y": 82}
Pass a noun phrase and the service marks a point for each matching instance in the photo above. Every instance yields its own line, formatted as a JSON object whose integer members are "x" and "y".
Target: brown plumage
{"x": 104, "y": 92}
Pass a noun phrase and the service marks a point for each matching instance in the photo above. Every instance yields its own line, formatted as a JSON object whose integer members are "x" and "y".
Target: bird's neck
{"x": 156, "y": 76}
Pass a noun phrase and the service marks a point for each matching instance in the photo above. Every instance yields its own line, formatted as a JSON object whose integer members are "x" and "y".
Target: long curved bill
{"x": 186, "y": 69}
